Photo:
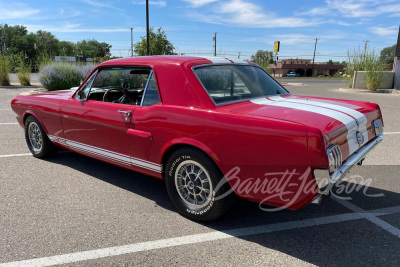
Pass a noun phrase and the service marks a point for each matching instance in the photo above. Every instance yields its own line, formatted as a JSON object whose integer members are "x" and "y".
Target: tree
{"x": 159, "y": 44}
{"x": 330, "y": 62}
{"x": 387, "y": 55}
{"x": 93, "y": 48}
{"x": 46, "y": 43}
{"x": 263, "y": 58}
{"x": 66, "y": 48}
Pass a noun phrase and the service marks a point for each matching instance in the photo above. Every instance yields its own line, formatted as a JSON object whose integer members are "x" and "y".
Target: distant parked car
{"x": 293, "y": 74}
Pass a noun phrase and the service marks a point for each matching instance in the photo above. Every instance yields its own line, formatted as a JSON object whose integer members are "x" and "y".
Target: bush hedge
{"x": 63, "y": 75}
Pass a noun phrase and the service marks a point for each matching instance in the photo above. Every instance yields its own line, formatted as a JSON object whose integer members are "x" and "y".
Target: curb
{"x": 379, "y": 91}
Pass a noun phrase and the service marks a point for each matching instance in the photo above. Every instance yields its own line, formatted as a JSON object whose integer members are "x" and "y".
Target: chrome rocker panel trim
{"x": 326, "y": 181}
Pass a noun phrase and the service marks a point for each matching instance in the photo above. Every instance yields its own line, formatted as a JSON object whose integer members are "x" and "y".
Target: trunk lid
{"x": 344, "y": 122}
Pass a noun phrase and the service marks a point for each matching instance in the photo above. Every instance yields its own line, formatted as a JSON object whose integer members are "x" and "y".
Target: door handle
{"x": 127, "y": 113}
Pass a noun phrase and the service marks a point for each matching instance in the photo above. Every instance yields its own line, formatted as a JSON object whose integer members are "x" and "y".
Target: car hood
{"x": 339, "y": 120}
{"x": 61, "y": 94}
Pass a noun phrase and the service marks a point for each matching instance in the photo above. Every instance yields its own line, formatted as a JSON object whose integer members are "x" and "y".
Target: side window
{"x": 122, "y": 85}
{"x": 151, "y": 96}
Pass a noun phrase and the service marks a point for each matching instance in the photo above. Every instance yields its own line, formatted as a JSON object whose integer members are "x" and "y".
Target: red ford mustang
{"x": 212, "y": 128}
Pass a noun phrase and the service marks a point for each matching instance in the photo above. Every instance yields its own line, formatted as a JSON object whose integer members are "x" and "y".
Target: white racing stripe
{"x": 196, "y": 238}
{"x": 362, "y": 120}
{"x": 225, "y": 60}
{"x": 348, "y": 121}
{"x": 107, "y": 154}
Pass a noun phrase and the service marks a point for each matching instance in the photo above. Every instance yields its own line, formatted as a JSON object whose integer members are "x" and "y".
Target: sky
{"x": 242, "y": 26}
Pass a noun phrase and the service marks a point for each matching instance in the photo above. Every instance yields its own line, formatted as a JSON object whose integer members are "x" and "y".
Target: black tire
{"x": 198, "y": 205}
{"x": 36, "y": 138}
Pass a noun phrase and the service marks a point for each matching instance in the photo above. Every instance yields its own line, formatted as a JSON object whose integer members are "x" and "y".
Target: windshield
{"x": 231, "y": 83}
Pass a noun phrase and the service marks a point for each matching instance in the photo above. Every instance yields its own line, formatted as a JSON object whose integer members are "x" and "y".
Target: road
{"x": 75, "y": 211}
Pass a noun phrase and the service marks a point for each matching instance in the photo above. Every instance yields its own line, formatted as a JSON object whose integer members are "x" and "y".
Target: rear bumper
{"x": 325, "y": 181}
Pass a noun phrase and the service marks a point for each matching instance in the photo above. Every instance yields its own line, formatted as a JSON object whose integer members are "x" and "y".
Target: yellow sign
{"x": 276, "y": 46}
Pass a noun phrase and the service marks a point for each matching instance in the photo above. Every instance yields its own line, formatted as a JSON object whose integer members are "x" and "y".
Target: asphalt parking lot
{"x": 75, "y": 211}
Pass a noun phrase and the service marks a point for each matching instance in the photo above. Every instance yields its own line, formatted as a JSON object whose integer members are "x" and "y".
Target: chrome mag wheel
{"x": 193, "y": 184}
{"x": 35, "y": 137}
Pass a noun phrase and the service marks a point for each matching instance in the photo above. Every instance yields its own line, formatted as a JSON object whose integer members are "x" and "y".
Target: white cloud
{"x": 199, "y": 3}
{"x": 74, "y": 28}
{"x": 246, "y": 14}
{"x": 385, "y": 31}
{"x": 363, "y": 8}
{"x": 160, "y": 3}
{"x": 10, "y": 11}
{"x": 317, "y": 11}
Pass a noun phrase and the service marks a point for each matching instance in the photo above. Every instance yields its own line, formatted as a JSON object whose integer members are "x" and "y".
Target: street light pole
{"x": 147, "y": 27}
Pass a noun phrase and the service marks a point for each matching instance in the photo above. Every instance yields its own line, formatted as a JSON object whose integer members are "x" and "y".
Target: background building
{"x": 304, "y": 67}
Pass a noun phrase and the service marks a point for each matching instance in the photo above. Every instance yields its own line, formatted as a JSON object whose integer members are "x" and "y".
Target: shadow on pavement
{"x": 354, "y": 242}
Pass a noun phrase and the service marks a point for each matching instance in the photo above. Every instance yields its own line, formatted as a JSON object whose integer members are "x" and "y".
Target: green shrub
{"x": 24, "y": 74}
{"x": 4, "y": 71}
{"x": 59, "y": 76}
{"x": 366, "y": 60}
{"x": 63, "y": 75}
{"x": 321, "y": 76}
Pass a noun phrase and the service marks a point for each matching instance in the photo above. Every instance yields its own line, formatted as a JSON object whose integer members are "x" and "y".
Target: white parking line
{"x": 392, "y": 133}
{"x": 5, "y": 108}
{"x": 369, "y": 216}
{"x": 9, "y": 123}
{"x": 193, "y": 239}
{"x": 15, "y": 155}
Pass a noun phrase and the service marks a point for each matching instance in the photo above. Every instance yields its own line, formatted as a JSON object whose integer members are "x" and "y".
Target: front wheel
{"x": 36, "y": 138}
{"x": 194, "y": 185}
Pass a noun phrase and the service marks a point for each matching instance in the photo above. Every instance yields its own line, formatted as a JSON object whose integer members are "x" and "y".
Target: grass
{"x": 24, "y": 74}
{"x": 4, "y": 71}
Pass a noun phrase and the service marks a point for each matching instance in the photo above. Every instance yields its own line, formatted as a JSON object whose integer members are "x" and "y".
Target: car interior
{"x": 124, "y": 86}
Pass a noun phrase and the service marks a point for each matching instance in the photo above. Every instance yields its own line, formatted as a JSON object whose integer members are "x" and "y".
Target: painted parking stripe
{"x": 369, "y": 216}
{"x": 193, "y": 239}
{"x": 9, "y": 123}
{"x": 15, "y": 155}
{"x": 392, "y": 133}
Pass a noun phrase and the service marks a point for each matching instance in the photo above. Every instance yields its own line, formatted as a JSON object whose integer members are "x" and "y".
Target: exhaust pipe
{"x": 317, "y": 200}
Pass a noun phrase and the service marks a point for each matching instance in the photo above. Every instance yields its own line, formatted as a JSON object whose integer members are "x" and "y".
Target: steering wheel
{"x": 116, "y": 89}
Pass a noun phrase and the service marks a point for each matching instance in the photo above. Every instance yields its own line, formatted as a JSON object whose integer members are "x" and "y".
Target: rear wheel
{"x": 38, "y": 142}
{"x": 194, "y": 185}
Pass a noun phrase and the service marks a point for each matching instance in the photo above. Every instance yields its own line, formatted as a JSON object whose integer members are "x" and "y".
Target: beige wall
{"x": 361, "y": 76}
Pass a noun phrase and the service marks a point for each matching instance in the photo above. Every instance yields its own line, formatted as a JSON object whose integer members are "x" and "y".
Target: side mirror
{"x": 82, "y": 95}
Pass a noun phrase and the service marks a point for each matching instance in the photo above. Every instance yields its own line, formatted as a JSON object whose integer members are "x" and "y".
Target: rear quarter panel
{"x": 261, "y": 148}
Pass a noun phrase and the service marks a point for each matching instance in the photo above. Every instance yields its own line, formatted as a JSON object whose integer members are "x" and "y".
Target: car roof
{"x": 164, "y": 60}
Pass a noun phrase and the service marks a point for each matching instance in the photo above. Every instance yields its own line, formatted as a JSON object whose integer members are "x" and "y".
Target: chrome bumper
{"x": 326, "y": 181}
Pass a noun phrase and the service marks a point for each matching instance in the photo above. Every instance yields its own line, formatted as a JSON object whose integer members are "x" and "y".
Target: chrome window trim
{"x": 145, "y": 88}
{"x": 239, "y": 64}
{"x": 89, "y": 83}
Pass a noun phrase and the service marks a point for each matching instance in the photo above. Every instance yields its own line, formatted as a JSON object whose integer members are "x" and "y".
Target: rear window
{"x": 231, "y": 83}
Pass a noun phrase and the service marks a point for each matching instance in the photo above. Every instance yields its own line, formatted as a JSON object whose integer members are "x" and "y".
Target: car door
{"x": 96, "y": 127}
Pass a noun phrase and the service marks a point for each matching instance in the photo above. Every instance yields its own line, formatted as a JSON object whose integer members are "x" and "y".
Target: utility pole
{"x": 147, "y": 27}
{"x": 215, "y": 44}
{"x": 239, "y": 55}
{"x": 365, "y": 47}
{"x": 131, "y": 42}
{"x": 315, "y": 48}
